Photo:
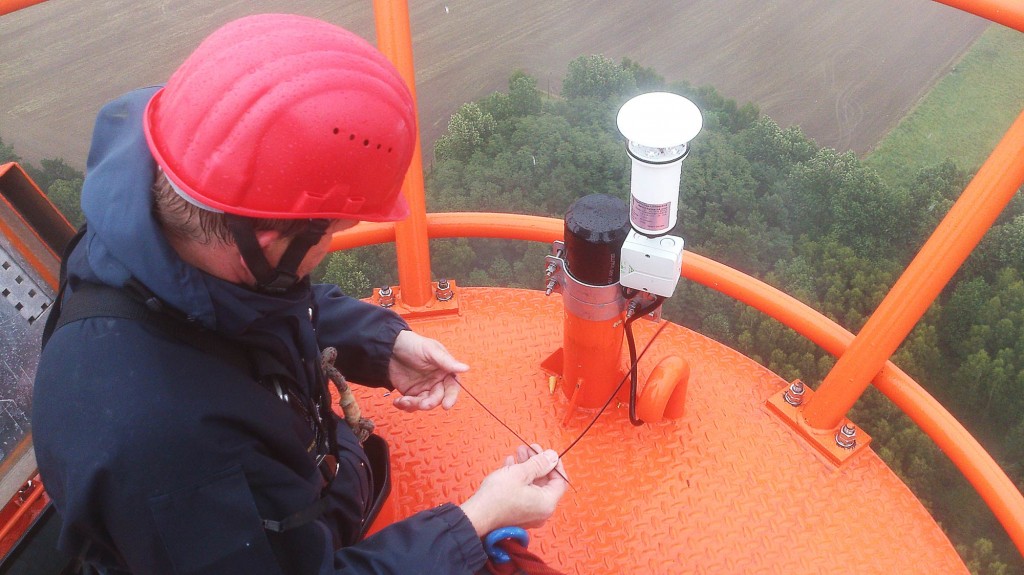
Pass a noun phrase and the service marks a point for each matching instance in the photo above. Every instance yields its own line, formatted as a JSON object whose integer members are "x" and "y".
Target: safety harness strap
{"x": 135, "y": 302}
{"x": 270, "y": 279}
{"x": 299, "y": 518}
{"x": 96, "y": 300}
{"x": 55, "y": 309}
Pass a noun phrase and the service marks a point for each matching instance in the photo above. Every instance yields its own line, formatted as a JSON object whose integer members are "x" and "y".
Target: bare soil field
{"x": 846, "y": 71}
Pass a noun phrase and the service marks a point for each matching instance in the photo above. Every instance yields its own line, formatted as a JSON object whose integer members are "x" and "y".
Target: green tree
{"x": 467, "y": 130}
{"x": 349, "y": 273}
{"x": 524, "y": 97}
{"x": 357, "y": 271}
{"x": 51, "y": 170}
{"x": 67, "y": 196}
{"x": 646, "y": 79}
{"x": 931, "y": 195}
{"x": 982, "y": 558}
{"x": 597, "y": 77}
{"x": 7, "y": 153}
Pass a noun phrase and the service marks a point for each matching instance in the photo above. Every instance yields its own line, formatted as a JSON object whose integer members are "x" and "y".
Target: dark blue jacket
{"x": 160, "y": 455}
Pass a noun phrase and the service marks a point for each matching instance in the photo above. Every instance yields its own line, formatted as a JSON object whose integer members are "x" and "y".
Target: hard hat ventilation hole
{"x": 351, "y": 136}
{"x": 378, "y": 146}
{"x": 366, "y": 143}
{"x": 389, "y": 150}
{"x": 336, "y": 131}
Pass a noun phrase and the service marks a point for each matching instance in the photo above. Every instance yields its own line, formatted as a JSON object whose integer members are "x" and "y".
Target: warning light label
{"x": 649, "y": 216}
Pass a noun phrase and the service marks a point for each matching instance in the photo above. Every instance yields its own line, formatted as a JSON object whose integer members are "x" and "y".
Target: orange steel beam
{"x": 1006, "y": 12}
{"x": 971, "y": 216}
{"x": 458, "y": 225}
{"x": 26, "y": 507}
{"x": 8, "y": 6}
{"x": 394, "y": 38}
{"x": 988, "y": 479}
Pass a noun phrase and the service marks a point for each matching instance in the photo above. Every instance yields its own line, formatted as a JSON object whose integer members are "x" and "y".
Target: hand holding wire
{"x": 524, "y": 492}
{"x": 424, "y": 372}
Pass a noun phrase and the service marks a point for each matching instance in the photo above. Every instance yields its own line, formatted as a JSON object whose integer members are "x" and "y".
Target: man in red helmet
{"x": 181, "y": 418}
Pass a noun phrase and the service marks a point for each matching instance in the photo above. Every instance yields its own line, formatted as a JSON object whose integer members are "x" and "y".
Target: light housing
{"x": 658, "y": 127}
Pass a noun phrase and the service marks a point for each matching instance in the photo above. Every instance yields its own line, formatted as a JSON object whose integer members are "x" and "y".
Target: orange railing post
{"x": 8, "y": 6}
{"x": 394, "y": 38}
{"x": 990, "y": 481}
{"x": 949, "y": 245}
{"x": 1006, "y": 12}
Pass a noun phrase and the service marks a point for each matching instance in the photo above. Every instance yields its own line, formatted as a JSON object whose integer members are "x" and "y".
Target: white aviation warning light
{"x": 658, "y": 127}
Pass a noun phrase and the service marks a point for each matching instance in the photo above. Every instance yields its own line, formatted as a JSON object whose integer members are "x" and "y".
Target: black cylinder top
{"x": 595, "y": 228}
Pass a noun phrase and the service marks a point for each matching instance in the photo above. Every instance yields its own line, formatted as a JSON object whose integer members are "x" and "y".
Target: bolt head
{"x": 846, "y": 437}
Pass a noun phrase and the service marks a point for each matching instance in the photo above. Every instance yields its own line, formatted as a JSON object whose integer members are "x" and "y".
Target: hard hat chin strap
{"x": 269, "y": 279}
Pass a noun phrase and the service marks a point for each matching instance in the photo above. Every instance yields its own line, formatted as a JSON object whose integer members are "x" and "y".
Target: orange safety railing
{"x": 862, "y": 359}
{"x": 953, "y": 240}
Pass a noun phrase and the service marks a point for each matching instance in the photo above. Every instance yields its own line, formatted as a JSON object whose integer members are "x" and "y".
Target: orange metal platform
{"x": 729, "y": 488}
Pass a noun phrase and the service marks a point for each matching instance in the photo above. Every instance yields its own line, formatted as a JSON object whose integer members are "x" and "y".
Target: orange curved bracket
{"x": 664, "y": 394}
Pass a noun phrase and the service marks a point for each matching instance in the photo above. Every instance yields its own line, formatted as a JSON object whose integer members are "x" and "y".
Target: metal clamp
{"x": 585, "y": 301}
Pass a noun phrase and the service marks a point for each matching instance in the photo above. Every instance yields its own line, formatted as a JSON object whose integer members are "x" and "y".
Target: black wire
{"x": 633, "y": 360}
{"x": 503, "y": 424}
{"x": 617, "y": 388}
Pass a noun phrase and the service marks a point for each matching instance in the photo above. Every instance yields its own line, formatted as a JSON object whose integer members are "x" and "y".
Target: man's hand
{"x": 523, "y": 493}
{"x": 423, "y": 370}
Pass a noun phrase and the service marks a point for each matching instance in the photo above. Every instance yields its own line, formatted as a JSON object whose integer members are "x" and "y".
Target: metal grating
{"x": 19, "y": 289}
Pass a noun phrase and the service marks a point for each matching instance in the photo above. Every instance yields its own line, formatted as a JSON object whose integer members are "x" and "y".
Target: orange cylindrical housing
{"x": 592, "y": 359}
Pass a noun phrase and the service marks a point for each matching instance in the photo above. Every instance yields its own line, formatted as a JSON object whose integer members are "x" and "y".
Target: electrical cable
{"x": 505, "y": 425}
{"x": 633, "y": 360}
{"x": 617, "y": 388}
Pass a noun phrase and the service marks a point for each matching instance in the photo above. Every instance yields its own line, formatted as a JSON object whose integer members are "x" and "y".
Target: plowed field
{"x": 846, "y": 71}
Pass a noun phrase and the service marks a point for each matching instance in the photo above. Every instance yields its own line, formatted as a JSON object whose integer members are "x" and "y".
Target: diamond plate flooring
{"x": 728, "y": 488}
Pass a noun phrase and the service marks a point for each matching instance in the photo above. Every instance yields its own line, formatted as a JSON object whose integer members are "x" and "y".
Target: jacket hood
{"x": 124, "y": 240}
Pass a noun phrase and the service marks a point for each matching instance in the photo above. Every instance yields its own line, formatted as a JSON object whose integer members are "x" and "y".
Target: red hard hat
{"x": 283, "y": 116}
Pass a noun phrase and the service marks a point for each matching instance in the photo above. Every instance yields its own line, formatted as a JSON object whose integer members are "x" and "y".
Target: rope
{"x": 361, "y": 426}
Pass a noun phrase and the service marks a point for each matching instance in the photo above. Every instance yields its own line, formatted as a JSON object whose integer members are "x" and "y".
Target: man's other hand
{"x": 424, "y": 372}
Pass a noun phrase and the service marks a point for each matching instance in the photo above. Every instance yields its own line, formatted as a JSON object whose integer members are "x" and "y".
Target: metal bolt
{"x": 795, "y": 394}
{"x": 846, "y": 437}
{"x": 551, "y": 286}
{"x": 387, "y": 297}
{"x": 444, "y": 291}
{"x": 632, "y": 308}
{"x": 550, "y": 269}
